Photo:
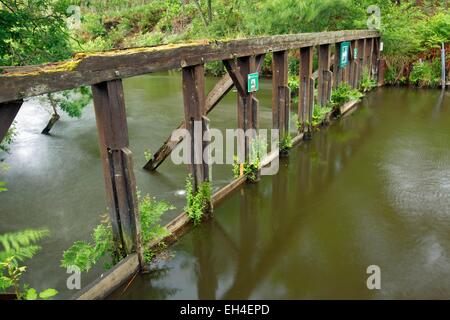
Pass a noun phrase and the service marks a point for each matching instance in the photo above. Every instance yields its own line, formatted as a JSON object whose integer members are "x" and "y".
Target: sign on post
{"x": 252, "y": 82}
{"x": 344, "y": 57}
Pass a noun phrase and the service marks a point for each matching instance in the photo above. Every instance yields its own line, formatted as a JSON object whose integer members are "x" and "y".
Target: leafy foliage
{"x": 8, "y": 139}
{"x": 17, "y": 247}
{"x": 286, "y": 143}
{"x": 151, "y": 212}
{"x": 425, "y": 73}
{"x": 85, "y": 255}
{"x": 343, "y": 94}
{"x": 366, "y": 82}
{"x": 33, "y": 31}
{"x": 319, "y": 114}
{"x": 197, "y": 201}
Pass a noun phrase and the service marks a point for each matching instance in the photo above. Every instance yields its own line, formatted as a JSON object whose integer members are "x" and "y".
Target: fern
{"x": 20, "y": 245}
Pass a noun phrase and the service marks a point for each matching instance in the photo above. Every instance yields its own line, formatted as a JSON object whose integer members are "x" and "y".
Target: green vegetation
{"x": 17, "y": 247}
{"x": 151, "y": 212}
{"x": 319, "y": 114}
{"x": 250, "y": 168}
{"x": 85, "y": 255}
{"x": 286, "y": 143}
{"x": 425, "y": 74}
{"x": 197, "y": 202}
{"x": 148, "y": 155}
{"x": 367, "y": 83}
{"x": 343, "y": 94}
{"x": 8, "y": 139}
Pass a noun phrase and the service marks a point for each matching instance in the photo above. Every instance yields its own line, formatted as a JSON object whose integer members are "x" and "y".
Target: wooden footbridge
{"x": 104, "y": 71}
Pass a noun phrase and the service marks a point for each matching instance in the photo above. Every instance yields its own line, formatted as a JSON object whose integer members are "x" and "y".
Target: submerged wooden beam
{"x": 102, "y": 287}
{"x": 8, "y": 112}
{"x": 87, "y": 69}
{"x": 117, "y": 163}
{"x": 222, "y": 87}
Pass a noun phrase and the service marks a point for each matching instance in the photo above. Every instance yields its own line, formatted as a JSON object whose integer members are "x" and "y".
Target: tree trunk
{"x": 55, "y": 116}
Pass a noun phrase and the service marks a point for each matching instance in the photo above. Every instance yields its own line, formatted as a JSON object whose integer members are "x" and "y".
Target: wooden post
{"x": 280, "y": 92}
{"x": 337, "y": 71}
{"x": 8, "y": 112}
{"x": 247, "y": 104}
{"x": 359, "y": 61}
{"x": 196, "y": 122}
{"x": 117, "y": 162}
{"x": 324, "y": 69}
{"x": 443, "y": 81}
{"x": 306, "y": 98}
{"x": 368, "y": 55}
{"x": 353, "y": 65}
{"x": 375, "y": 57}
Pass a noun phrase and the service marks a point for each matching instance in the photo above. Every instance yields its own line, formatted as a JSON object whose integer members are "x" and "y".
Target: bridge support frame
{"x": 120, "y": 183}
{"x": 360, "y": 45}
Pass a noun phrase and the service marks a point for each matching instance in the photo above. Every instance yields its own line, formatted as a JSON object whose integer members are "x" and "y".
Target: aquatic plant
{"x": 17, "y": 247}
{"x": 197, "y": 202}
{"x": 148, "y": 155}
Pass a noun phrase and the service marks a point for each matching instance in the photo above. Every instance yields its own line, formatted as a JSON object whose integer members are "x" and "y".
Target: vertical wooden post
{"x": 375, "y": 58}
{"x": 247, "y": 104}
{"x": 337, "y": 71}
{"x": 280, "y": 93}
{"x": 117, "y": 162}
{"x": 368, "y": 56}
{"x": 443, "y": 81}
{"x": 323, "y": 76}
{"x": 306, "y": 99}
{"x": 359, "y": 61}
{"x": 196, "y": 121}
{"x": 8, "y": 112}
{"x": 353, "y": 66}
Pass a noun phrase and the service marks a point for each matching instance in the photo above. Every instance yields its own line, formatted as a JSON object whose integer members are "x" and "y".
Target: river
{"x": 371, "y": 189}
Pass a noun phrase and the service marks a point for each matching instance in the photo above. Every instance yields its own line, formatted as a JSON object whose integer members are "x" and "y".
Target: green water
{"x": 371, "y": 189}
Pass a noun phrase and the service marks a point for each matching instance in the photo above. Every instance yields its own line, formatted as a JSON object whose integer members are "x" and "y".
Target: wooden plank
{"x": 18, "y": 83}
{"x": 359, "y": 62}
{"x": 280, "y": 92}
{"x": 233, "y": 70}
{"x": 324, "y": 62}
{"x": 194, "y": 111}
{"x": 8, "y": 112}
{"x": 375, "y": 58}
{"x": 305, "y": 98}
{"x": 352, "y": 67}
{"x": 222, "y": 87}
{"x": 109, "y": 105}
{"x": 337, "y": 71}
{"x": 102, "y": 287}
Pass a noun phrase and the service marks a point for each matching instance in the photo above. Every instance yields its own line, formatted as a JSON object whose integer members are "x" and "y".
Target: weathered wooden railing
{"x": 104, "y": 71}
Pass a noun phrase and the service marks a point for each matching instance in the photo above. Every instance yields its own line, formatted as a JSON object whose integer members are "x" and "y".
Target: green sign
{"x": 345, "y": 52}
{"x": 355, "y": 53}
{"x": 252, "y": 82}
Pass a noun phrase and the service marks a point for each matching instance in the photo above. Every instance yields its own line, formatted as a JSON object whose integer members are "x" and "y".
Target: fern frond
{"x": 20, "y": 239}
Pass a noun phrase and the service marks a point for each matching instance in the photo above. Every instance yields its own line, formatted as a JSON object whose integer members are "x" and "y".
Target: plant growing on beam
{"x": 343, "y": 94}
{"x": 85, "y": 255}
{"x": 17, "y": 247}
{"x": 367, "y": 83}
{"x": 251, "y": 167}
{"x": 197, "y": 202}
{"x": 285, "y": 143}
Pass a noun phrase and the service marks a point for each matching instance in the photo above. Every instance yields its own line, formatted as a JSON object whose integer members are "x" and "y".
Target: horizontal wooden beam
{"x": 88, "y": 69}
{"x": 111, "y": 280}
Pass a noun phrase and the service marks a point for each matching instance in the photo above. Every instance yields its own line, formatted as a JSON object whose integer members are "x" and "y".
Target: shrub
{"x": 343, "y": 94}
{"x": 197, "y": 201}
